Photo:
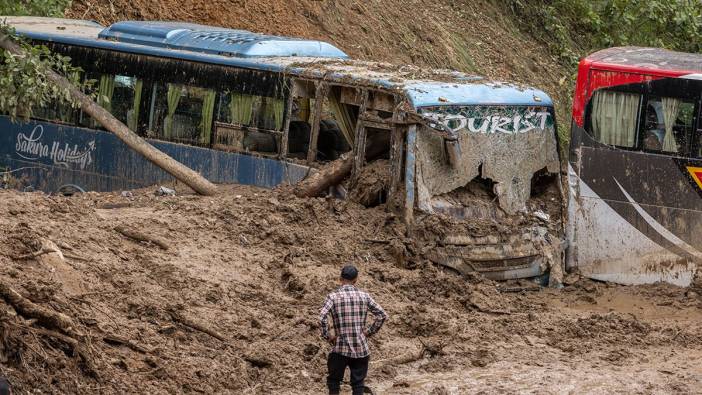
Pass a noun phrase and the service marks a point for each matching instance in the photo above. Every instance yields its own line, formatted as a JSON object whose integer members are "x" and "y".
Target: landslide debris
{"x": 231, "y": 306}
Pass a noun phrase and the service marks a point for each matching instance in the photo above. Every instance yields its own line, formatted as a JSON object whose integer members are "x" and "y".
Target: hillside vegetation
{"x": 572, "y": 28}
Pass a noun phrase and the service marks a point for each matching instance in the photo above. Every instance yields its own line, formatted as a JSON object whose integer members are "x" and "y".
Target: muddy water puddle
{"x": 656, "y": 371}
{"x": 626, "y": 301}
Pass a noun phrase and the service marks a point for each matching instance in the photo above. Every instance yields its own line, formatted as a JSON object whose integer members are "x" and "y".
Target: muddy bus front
{"x": 482, "y": 174}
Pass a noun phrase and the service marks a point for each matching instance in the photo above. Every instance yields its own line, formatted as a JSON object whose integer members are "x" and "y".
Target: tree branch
{"x": 181, "y": 172}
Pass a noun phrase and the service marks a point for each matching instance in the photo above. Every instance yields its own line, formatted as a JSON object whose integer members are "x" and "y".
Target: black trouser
{"x": 337, "y": 363}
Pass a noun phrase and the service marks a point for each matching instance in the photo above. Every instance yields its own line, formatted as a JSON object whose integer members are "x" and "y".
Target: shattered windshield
{"x": 505, "y": 144}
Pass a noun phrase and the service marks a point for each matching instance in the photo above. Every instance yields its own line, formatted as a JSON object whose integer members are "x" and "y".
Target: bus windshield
{"x": 504, "y": 144}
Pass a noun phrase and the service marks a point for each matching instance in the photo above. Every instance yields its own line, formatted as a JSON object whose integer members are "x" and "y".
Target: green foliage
{"x": 53, "y": 8}
{"x": 572, "y": 28}
{"x": 23, "y": 79}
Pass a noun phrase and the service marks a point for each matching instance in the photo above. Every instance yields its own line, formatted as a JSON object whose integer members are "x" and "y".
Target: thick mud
{"x": 230, "y": 305}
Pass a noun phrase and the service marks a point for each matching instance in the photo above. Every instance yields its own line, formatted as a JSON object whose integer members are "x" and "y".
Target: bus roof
{"x": 647, "y": 60}
{"x": 218, "y": 41}
{"x": 298, "y": 57}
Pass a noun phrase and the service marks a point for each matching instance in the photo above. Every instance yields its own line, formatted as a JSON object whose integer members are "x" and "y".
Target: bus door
{"x": 637, "y": 213}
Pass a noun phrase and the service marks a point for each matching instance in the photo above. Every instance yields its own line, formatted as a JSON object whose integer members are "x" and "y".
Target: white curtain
{"x": 614, "y": 116}
{"x": 670, "y": 114}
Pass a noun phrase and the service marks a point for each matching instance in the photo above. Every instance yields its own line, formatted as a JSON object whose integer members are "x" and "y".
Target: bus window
{"x": 336, "y": 119}
{"x": 269, "y": 114}
{"x": 298, "y": 139}
{"x": 300, "y": 129}
{"x": 55, "y": 112}
{"x": 667, "y": 124}
{"x": 182, "y": 113}
{"x": 338, "y": 126}
{"x": 613, "y": 118}
{"x": 235, "y": 108}
{"x": 120, "y": 95}
{"x": 318, "y": 106}
{"x": 248, "y": 123}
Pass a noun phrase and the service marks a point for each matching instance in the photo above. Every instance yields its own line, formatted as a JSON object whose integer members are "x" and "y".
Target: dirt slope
{"x": 467, "y": 35}
{"x": 253, "y": 266}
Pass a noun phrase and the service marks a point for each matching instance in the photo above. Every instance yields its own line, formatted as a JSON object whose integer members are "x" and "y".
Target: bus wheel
{"x": 69, "y": 190}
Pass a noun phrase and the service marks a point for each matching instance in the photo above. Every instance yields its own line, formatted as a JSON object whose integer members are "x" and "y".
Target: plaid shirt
{"x": 348, "y": 307}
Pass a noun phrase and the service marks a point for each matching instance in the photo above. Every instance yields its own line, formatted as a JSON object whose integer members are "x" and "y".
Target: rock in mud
{"x": 482, "y": 358}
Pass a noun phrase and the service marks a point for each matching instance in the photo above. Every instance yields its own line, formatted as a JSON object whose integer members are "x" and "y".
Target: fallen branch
{"x": 47, "y": 318}
{"x": 76, "y": 257}
{"x": 407, "y": 357}
{"x": 335, "y": 171}
{"x": 181, "y": 172}
{"x": 33, "y": 255}
{"x": 108, "y": 206}
{"x": 136, "y": 235}
{"x": 46, "y": 247}
{"x": 488, "y": 311}
{"x": 331, "y": 174}
{"x": 197, "y": 326}
{"x": 258, "y": 361}
{"x": 76, "y": 346}
{"x": 118, "y": 340}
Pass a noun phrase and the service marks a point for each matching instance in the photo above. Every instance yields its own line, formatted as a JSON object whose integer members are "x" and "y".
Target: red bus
{"x": 635, "y": 167}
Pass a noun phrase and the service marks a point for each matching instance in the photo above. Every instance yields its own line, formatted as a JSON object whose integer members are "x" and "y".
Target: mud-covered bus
{"x": 471, "y": 164}
{"x": 635, "y": 167}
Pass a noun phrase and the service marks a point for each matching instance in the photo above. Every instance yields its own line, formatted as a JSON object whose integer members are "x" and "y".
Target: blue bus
{"x": 472, "y": 164}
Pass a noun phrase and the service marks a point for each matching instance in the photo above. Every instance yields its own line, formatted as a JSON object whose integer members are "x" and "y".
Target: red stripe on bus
{"x": 597, "y": 75}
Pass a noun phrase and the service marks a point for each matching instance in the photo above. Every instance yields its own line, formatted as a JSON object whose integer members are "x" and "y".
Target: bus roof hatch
{"x": 216, "y": 40}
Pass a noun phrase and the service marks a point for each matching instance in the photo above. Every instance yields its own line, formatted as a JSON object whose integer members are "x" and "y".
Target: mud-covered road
{"x": 229, "y": 305}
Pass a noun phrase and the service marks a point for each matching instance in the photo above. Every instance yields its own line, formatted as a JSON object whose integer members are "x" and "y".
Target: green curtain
{"x": 207, "y": 115}
{"x": 343, "y": 116}
{"x": 105, "y": 91}
{"x": 304, "y": 105}
{"x": 241, "y": 106}
{"x": 133, "y": 120}
{"x": 273, "y": 110}
{"x": 174, "y": 93}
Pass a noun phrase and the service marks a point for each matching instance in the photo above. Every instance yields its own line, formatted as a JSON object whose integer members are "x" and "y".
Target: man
{"x": 348, "y": 307}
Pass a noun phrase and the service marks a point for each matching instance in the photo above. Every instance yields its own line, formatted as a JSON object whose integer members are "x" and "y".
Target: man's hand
{"x": 332, "y": 340}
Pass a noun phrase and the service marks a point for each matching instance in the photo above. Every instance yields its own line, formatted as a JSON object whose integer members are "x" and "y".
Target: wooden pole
{"x": 410, "y": 172}
{"x": 397, "y": 141}
{"x": 359, "y": 149}
{"x": 181, "y": 172}
{"x": 286, "y": 125}
{"x": 319, "y": 95}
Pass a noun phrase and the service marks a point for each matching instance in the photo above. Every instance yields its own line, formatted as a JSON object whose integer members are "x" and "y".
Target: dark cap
{"x": 349, "y": 272}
